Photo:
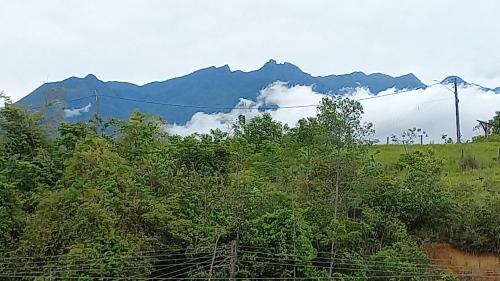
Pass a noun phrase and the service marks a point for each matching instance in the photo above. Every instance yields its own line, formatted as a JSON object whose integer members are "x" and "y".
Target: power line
{"x": 280, "y": 257}
{"x": 161, "y": 253}
{"x": 253, "y": 108}
{"x": 56, "y": 101}
{"x": 274, "y": 250}
{"x": 207, "y": 107}
{"x": 392, "y": 269}
{"x": 252, "y": 278}
{"x": 97, "y": 97}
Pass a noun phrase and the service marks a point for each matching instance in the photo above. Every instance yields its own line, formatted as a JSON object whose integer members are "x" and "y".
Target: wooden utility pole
{"x": 213, "y": 258}
{"x": 457, "y": 115}
{"x": 337, "y": 183}
{"x": 97, "y": 109}
{"x": 234, "y": 253}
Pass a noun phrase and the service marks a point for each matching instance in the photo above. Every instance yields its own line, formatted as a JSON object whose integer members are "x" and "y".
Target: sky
{"x": 150, "y": 40}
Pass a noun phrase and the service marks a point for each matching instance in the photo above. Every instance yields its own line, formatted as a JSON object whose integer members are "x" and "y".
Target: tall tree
{"x": 496, "y": 123}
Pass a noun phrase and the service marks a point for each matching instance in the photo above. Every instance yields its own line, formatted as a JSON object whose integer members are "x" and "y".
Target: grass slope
{"x": 479, "y": 183}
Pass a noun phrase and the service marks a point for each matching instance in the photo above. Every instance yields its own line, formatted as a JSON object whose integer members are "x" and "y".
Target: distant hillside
{"x": 210, "y": 87}
{"x": 460, "y": 81}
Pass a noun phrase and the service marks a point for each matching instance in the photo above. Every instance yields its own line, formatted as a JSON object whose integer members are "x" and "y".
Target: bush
{"x": 468, "y": 162}
{"x": 490, "y": 138}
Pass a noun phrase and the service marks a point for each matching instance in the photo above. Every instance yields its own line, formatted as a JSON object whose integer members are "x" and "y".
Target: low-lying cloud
{"x": 73, "y": 112}
{"x": 431, "y": 109}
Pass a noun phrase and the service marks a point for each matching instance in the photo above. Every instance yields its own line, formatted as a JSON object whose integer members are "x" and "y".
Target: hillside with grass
{"x": 473, "y": 163}
{"x": 471, "y": 174}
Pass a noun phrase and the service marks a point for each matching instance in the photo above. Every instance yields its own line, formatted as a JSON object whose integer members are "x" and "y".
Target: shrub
{"x": 468, "y": 162}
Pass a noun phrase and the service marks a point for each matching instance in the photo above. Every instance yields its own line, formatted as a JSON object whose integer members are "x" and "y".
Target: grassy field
{"x": 484, "y": 154}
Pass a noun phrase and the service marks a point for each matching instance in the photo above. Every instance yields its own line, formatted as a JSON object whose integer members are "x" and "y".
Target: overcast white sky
{"x": 141, "y": 41}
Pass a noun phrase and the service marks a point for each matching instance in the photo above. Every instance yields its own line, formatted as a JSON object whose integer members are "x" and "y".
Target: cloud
{"x": 277, "y": 93}
{"x": 68, "y": 113}
{"x": 431, "y": 109}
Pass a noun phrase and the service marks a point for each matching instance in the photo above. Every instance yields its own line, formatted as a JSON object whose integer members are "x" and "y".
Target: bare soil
{"x": 465, "y": 265}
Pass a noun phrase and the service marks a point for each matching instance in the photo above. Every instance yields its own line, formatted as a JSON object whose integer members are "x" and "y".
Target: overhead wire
{"x": 246, "y": 108}
{"x": 347, "y": 261}
{"x": 286, "y": 258}
{"x": 322, "y": 252}
{"x": 258, "y": 107}
{"x": 389, "y": 277}
{"x": 241, "y": 107}
{"x": 174, "y": 252}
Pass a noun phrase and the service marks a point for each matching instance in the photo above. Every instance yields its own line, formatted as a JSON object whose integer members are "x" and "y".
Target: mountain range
{"x": 212, "y": 89}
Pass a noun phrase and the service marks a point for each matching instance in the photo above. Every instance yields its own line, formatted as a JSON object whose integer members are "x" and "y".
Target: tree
{"x": 141, "y": 135}
{"x": 28, "y": 160}
{"x": 341, "y": 117}
{"x": 261, "y": 129}
{"x": 286, "y": 235}
{"x": 416, "y": 197}
{"x": 306, "y": 202}
{"x": 496, "y": 123}
{"x": 72, "y": 133}
{"x": 106, "y": 214}
{"x": 23, "y": 136}
{"x": 11, "y": 217}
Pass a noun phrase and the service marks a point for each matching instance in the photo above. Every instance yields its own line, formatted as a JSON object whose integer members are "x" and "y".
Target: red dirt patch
{"x": 464, "y": 265}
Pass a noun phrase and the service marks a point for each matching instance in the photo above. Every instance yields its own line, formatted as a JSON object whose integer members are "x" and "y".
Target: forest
{"x": 125, "y": 200}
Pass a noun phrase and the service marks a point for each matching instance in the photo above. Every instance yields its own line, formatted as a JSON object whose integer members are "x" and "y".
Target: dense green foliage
{"x": 495, "y": 122}
{"x": 125, "y": 199}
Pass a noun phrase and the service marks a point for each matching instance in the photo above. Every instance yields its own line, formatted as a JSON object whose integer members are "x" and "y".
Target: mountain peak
{"x": 273, "y": 66}
{"x": 88, "y": 79}
{"x": 225, "y": 68}
{"x": 409, "y": 75}
{"x": 451, "y": 79}
{"x": 213, "y": 87}
{"x": 91, "y": 77}
{"x": 270, "y": 62}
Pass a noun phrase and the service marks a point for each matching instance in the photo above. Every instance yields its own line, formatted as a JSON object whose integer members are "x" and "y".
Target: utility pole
{"x": 213, "y": 258}
{"x": 234, "y": 253}
{"x": 97, "y": 109}
{"x": 457, "y": 115}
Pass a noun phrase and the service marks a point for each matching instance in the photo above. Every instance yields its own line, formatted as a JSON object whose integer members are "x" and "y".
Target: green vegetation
{"x": 485, "y": 153}
{"x": 495, "y": 122}
{"x": 123, "y": 199}
{"x": 473, "y": 182}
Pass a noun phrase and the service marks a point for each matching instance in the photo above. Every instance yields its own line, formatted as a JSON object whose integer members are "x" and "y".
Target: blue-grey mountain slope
{"x": 216, "y": 88}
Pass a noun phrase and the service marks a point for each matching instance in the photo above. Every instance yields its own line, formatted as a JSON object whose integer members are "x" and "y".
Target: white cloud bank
{"x": 68, "y": 113}
{"x": 431, "y": 109}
